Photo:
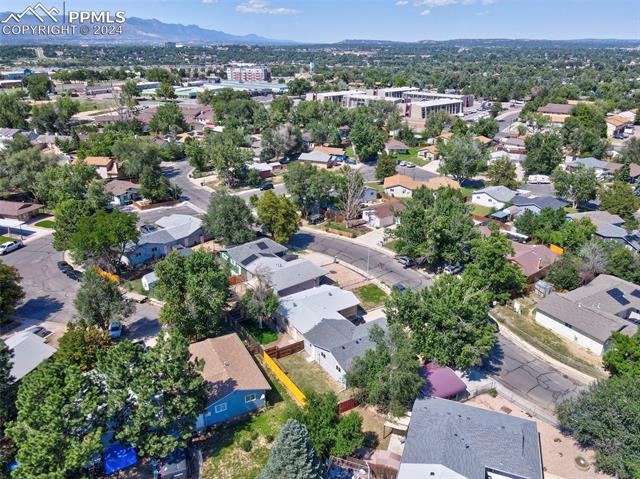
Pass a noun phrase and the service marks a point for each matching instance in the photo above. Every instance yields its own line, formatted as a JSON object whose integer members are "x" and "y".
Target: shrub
{"x": 246, "y": 445}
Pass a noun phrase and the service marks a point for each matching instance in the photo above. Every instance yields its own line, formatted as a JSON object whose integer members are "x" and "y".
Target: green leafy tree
{"x": 605, "y": 417}
{"x": 573, "y": 234}
{"x": 448, "y": 321}
{"x": 278, "y": 216}
{"x": 496, "y": 108}
{"x": 168, "y": 119}
{"x": 631, "y": 152}
{"x": 165, "y": 91}
{"x": 284, "y": 140}
{"x": 229, "y": 219}
{"x": 10, "y": 290}
{"x": 491, "y": 270}
{"x": 435, "y": 123}
{"x": 39, "y": 86}
{"x": 54, "y": 117}
{"x": 461, "y": 157}
{"x": 260, "y": 302}
{"x": 579, "y": 185}
{"x": 19, "y": 170}
{"x": 103, "y": 238}
{"x": 366, "y": 138}
{"x": 502, "y": 172}
{"x": 623, "y": 355}
{"x": 385, "y": 166}
{"x": 459, "y": 127}
{"x": 68, "y": 215}
{"x": 293, "y": 456}
{"x": 7, "y": 386}
{"x": 565, "y": 273}
{"x": 441, "y": 230}
{"x": 195, "y": 290}
{"x": 134, "y": 156}
{"x": 156, "y": 187}
{"x": 298, "y": 86}
{"x": 99, "y": 301}
{"x": 308, "y": 186}
{"x": 13, "y": 111}
{"x": 331, "y": 434}
{"x": 97, "y": 196}
{"x": 619, "y": 199}
{"x": 153, "y": 397}
{"x": 486, "y": 127}
{"x": 229, "y": 160}
{"x": 196, "y": 154}
{"x": 60, "y": 424}
{"x": 624, "y": 173}
{"x": 624, "y": 263}
{"x": 544, "y": 153}
{"x": 81, "y": 343}
{"x": 66, "y": 182}
{"x": 388, "y": 375}
{"x": 127, "y": 99}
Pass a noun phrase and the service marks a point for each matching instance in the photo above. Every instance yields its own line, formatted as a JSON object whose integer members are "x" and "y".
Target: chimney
{"x": 539, "y": 264}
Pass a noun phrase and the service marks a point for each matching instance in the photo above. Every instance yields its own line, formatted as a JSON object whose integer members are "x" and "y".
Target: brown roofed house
{"x": 105, "y": 166}
{"x": 237, "y": 385}
{"x": 401, "y": 186}
{"x": 534, "y": 260}
{"x": 17, "y": 210}
{"x": 124, "y": 192}
{"x": 382, "y": 214}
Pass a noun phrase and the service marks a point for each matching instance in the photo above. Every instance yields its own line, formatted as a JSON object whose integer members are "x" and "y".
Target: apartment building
{"x": 417, "y": 95}
{"x": 249, "y": 73}
{"x": 417, "y": 111}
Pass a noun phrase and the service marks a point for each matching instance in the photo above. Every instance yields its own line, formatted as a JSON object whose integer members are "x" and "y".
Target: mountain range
{"x": 136, "y": 30}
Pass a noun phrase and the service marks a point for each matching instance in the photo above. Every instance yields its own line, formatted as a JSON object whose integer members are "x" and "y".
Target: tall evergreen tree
{"x": 293, "y": 456}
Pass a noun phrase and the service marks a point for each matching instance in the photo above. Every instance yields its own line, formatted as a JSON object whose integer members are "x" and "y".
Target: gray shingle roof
{"x": 260, "y": 247}
{"x": 500, "y": 193}
{"x": 172, "y": 228}
{"x": 539, "y": 201}
{"x": 29, "y": 351}
{"x": 469, "y": 440}
{"x": 293, "y": 273}
{"x": 597, "y": 309}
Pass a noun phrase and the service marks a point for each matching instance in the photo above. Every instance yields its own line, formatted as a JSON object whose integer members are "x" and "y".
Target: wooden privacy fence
{"x": 284, "y": 351}
{"x": 284, "y": 379}
{"x": 347, "y": 405}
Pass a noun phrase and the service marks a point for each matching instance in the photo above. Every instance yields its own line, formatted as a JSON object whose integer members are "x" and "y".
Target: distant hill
{"x": 141, "y": 32}
{"x": 506, "y": 42}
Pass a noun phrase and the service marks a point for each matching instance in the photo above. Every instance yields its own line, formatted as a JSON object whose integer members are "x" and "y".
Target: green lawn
{"x": 481, "y": 210}
{"x": 224, "y": 457}
{"x": 412, "y": 156}
{"x": 263, "y": 336}
{"x": 392, "y": 245}
{"x": 341, "y": 227}
{"x": 46, "y": 224}
{"x": 4, "y": 239}
{"x": 93, "y": 106}
{"x": 370, "y": 296}
{"x": 376, "y": 185}
{"x": 309, "y": 376}
{"x": 466, "y": 191}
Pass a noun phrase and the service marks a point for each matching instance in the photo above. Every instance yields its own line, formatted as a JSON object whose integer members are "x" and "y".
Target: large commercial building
{"x": 417, "y": 111}
{"x": 249, "y": 74}
{"x": 412, "y": 95}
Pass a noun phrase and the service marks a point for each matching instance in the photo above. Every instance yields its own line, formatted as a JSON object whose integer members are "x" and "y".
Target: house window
{"x": 323, "y": 355}
{"x": 249, "y": 398}
{"x": 220, "y": 407}
{"x": 338, "y": 369}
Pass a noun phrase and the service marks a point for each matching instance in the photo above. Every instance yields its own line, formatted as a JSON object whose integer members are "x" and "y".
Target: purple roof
{"x": 440, "y": 382}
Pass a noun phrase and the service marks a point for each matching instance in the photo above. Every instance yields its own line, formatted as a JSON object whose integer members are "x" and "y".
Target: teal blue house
{"x": 237, "y": 386}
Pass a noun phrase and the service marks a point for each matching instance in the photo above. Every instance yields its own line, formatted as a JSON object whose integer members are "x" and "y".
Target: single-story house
{"x": 590, "y": 314}
{"x": 534, "y": 260}
{"x": 383, "y": 214}
{"x": 124, "y": 192}
{"x": 602, "y": 169}
{"x": 17, "y": 210}
{"x": 368, "y": 195}
{"x": 337, "y": 152}
{"x": 166, "y": 234}
{"x": 29, "y": 350}
{"x": 288, "y": 277}
{"x": 441, "y": 382}
{"x": 265, "y": 170}
{"x": 241, "y": 256}
{"x": 318, "y": 158}
{"x": 537, "y": 203}
{"x": 300, "y": 312}
{"x": 451, "y": 440}
{"x": 401, "y": 186}
{"x": 513, "y": 145}
{"x": 513, "y": 157}
{"x": 106, "y": 167}
{"x": 395, "y": 147}
{"x": 610, "y": 227}
{"x": 237, "y": 386}
{"x": 556, "y": 112}
{"x": 8, "y": 134}
{"x": 616, "y": 124}
{"x": 429, "y": 153}
{"x": 493, "y": 197}
{"x": 336, "y": 343}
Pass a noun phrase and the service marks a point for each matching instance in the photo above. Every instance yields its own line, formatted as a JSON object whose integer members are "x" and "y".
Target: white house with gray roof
{"x": 336, "y": 343}
{"x": 591, "y": 314}
{"x": 29, "y": 350}
{"x": 241, "y": 257}
{"x": 450, "y": 440}
{"x": 493, "y": 197}
{"x": 300, "y": 312}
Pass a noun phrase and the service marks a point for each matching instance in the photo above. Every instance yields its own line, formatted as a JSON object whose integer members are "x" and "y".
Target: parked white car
{"x": 10, "y": 246}
{"x": 539, "y": 180}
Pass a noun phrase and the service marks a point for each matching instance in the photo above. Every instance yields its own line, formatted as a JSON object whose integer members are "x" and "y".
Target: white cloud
{"x": 260, "y": 7}
{"x": 402, "y": 3}
{"x": 444, "y": 3}
{"x": 209, "y": 1}
{"x": 425, "y": 12}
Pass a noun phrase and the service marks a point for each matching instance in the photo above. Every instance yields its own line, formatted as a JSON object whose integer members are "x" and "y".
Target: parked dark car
{"x": 405, "y": 261}
{"x": 64, "y": 266}
{"x": 175, "y": 465}
{"x": 400, "y": 288}
{"x": 39, "y": 331}
{"x": 453, "y": 269}
{"x": 316, "y": 219}
{"x": 266, "y": 186}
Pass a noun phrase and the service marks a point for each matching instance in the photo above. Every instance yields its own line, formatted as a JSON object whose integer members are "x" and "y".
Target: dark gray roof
{"x": 343, "y": 339}
{"x": 597, "y": 309}
{"x": 245, "y": 254}
{"x": 539, "y": 201}
{"x": 470, "y": 441}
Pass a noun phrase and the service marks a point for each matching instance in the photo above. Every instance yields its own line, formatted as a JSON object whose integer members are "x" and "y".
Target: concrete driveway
{"x": 49, "y": 294}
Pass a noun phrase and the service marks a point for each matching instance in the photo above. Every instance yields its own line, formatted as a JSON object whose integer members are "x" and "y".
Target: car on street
{"x": 400, "y": 288}
{"x": 405, "y": 261}
{"x": 403, "y": 163}
{"x": 64, "y": 266}
{"x": 68, "y": 270}
{"x": 10, "y": 246}
{"x": 410, "y": 165}
{"x": 116, "y": 330}
{"x": 266, "y": 186}
{"x": 39, "y": 331}
{"x": 316, "y": 219}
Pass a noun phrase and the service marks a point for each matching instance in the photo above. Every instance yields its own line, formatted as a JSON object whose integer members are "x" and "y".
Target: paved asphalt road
{"x": 49, "y": 294}
{"x": 380, "y": 265}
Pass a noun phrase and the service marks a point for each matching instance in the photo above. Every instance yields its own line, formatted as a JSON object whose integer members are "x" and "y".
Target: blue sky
{"x": 402, "y": 20}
